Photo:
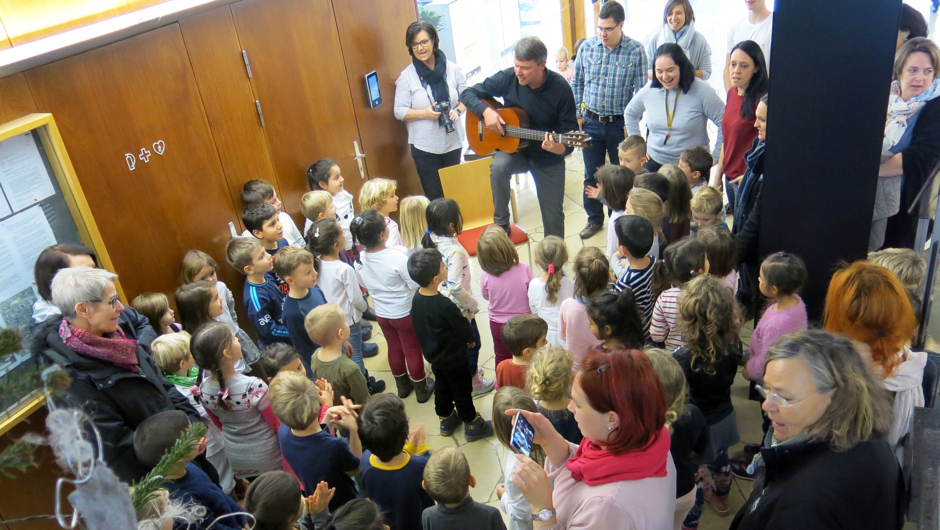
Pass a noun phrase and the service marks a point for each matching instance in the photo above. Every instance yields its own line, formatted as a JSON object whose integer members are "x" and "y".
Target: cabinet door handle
{"x": 247, "y": 65}
{"x": 359, "y": 158}
{"x": 260, "y": 114}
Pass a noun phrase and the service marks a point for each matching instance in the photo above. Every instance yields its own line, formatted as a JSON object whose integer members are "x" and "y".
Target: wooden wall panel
{"x": 226, "y": 95}
{"x": 26, "y": 21}
{"x": 376, "y": 42}
{"x": 300, "y": 80}
{"x": 15, "y": 99}
{"x": 113, "y": 102}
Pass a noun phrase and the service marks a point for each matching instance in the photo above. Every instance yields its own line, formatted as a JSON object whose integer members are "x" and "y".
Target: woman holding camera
{"x": 426, "y": 100}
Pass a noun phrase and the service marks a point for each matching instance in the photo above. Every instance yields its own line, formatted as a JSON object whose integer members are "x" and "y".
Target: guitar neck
{"x": 529, "y": 134}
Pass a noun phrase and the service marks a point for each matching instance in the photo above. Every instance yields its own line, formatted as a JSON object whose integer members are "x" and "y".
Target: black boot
{"x": 424, "y": 389}
{"x": 404, "y": 384}
{"x": 375, "y": 386}
{"x": 477, "y": 429}
{"x": 450, "y": 424}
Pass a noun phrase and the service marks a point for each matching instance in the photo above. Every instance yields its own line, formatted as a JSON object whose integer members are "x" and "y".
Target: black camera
{"x": 444, "y": 119}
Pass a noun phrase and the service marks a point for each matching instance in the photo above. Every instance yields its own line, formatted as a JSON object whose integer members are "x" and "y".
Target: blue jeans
{"x": 355, "y": 338}
{"x": 605, "y": 139}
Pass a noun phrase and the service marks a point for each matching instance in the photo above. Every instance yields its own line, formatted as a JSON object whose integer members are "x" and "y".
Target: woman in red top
{"x": 748, "y": 83}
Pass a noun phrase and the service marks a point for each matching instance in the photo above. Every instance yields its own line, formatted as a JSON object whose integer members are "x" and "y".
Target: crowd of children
{"x": 297, "y": 413}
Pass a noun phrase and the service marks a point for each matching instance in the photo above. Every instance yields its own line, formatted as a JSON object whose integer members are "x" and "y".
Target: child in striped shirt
{"x": 684, "y": 260}
{"x": 632, "y": 264}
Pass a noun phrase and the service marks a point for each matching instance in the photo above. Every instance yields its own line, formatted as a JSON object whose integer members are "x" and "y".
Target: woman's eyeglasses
{"x": 782, "y": 402}
{"x": 115, "y": 300}
{"x": 423, "y": 44}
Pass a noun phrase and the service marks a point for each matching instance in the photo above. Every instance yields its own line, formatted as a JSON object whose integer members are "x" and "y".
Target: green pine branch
{"x": 145, "y": 490}
{"x": 19, "y": 456}
{"x": 10, "y": 341}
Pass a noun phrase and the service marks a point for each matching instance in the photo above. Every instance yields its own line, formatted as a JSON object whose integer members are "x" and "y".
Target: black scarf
{"x": 436, "y": 78}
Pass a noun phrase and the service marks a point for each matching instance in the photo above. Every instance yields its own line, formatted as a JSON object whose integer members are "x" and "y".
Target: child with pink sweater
{"x": 504, "y": 282}
{"x": 591, "y": 277}
{"x": 782, "y": 275}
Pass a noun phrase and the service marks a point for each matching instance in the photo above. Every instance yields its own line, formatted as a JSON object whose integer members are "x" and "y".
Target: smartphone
{"x": 372, "y": 89}
{"x": 522, "y": 435}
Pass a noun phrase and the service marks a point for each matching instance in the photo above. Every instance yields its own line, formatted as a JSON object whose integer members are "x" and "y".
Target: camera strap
{"x": 427, "y": 88}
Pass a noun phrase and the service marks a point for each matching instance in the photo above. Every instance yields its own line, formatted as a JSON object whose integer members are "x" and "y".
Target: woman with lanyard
{"x": 430, "y": 82}
{"x": 749, "y": 82}
{"x": 679, "y": 28}
{"x": 911, "y": 146}
{"x": 677, "y": 106}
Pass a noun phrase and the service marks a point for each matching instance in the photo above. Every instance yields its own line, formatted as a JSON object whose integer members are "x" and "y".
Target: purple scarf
{"x": 116, "y": 349}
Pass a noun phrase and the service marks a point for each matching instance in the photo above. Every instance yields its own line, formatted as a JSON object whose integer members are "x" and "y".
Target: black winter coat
{"x": 808, "y": 485}
{"x": 116, "y": 400}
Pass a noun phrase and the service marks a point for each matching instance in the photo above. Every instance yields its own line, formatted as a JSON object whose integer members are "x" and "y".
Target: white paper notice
{"x": 23, "y": 175}
{"x": 22, "y": 238}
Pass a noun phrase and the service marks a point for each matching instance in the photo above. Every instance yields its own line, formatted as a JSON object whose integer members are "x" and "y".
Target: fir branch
{"x": 10, "y": 341}
{"x": 19, "y": 383}
{"x": 19, "y": 456}
{"x": 145, "y": 490}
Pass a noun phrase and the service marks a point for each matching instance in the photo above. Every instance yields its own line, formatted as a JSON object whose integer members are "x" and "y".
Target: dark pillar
{"x": 832, "y": 62}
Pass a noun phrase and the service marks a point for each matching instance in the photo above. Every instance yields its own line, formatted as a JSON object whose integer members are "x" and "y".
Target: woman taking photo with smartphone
{"x": 621, "y": 476}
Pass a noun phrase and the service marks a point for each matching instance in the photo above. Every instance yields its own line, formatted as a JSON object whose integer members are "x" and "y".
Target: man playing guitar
{"x": 547, "y": 99}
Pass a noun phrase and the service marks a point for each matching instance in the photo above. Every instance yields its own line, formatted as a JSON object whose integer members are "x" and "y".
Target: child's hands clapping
{"x": 320, "y": 499}
{"x": 418, "y": 435}
{"x": 325, "y": 391}
{"x": 344, "y": 415}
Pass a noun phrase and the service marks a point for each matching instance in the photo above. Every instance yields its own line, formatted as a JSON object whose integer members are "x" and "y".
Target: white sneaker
{"x": 481, "y": 385}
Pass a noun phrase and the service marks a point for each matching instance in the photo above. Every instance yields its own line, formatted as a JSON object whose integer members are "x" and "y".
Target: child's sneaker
{"x": 477, "y": 429}
{"x": 376, "y": 386}
{"x": 450, "y": 424}
{"x": 481, "y": 385}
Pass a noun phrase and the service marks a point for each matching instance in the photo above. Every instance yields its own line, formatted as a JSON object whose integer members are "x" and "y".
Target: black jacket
{"x": 811, "y": 486}
{"x": 922, "y": 155}
{"x": 442, "y": 330}
{"x": 116, "y": 400}
{"x": 747, "y": 208}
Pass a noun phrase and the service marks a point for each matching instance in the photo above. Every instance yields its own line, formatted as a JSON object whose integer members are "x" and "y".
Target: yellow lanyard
{"x": 669, "y": 116}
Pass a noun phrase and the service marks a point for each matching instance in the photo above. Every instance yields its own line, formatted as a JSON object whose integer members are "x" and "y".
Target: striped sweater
{"x": 663, "y": 327}
{"x": 640, "y": 281}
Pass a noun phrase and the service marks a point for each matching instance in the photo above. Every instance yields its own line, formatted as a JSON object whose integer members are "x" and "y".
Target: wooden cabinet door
{"x": 222, "y": 78}
{"x": 373, "y": 38}
{"x": 299, "y": 78}
{"x": 137, "y": 134}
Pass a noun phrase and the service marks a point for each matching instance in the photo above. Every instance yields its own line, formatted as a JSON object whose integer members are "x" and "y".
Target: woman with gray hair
{"x": 826, "y": 462}
{"x": 114, "y": 380}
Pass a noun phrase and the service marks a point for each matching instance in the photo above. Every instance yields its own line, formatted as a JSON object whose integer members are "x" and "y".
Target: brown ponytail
{"x": 552, "y": 252}
{"x": 207, "y": 346}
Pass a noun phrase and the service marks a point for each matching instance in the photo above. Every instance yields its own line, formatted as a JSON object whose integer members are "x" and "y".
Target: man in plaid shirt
{"x": 609, "y": 69}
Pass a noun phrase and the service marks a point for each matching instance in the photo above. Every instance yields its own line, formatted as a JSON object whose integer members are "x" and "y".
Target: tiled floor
{"x": 487, "y": 457}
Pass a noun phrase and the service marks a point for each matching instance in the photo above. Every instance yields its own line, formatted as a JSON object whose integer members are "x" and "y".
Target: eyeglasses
{"x": 423, "y": 44}
{"x": 116, "y": 299}
{"x": 606, "y": 31}
{"x": 782, "y": 402}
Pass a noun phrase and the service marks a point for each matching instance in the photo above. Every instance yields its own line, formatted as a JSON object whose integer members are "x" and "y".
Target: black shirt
{"x": 711, "y": 392}
{"x": 808, "y": 485}
{"x": 550, "y": 107}
{"x": 442, "y": 330}
{"x": 689, "y": 445}
{"x": 563, "y": 421}
{"x": 468, "y": 515}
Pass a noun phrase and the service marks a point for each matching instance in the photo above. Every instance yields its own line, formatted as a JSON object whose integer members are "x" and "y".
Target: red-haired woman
{"x": 868, "y": 304}
{"x": 621, "y": 476}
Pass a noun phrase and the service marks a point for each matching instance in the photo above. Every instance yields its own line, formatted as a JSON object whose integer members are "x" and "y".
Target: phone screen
{"x": 372, "y": 86}
{"x": 522, "y": 435}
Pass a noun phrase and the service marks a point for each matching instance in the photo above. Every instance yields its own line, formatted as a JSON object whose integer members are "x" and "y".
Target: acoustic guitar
{"x": 517, "y": 132}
